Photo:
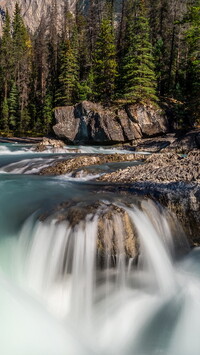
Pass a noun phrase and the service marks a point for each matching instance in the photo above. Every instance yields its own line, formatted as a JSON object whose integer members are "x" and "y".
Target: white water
{"x": 27, "y": 166}
{"x": 55, "y": 301}
{"x": 54, "y": 297}
{"x": 4, "y": 150}
{"x": 14, "y": 148}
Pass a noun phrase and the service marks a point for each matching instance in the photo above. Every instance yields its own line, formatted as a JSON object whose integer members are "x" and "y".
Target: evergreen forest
{"x": 148, "y": 53}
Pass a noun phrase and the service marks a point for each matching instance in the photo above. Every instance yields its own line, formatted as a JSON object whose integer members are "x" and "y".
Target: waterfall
{"x": 54, "y": 283}
{"x": 86, "y": 271}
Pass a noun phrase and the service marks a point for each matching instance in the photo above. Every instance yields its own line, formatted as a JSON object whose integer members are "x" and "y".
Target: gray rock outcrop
{"x": 37, "y": 12}
{"x": 91, "y": 123}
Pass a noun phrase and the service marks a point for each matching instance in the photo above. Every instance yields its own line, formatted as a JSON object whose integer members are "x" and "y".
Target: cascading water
{"x": 70, "y": 283}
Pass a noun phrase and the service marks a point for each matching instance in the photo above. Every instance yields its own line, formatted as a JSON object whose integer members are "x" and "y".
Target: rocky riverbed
{"x": 72, "y": 164}
{"x": 170, "y": 179}
{"x": 170, "y": 175}
{"x": 161, "y": 167}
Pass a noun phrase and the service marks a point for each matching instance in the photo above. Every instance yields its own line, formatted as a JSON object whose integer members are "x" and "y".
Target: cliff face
{"x": 36, "y": 11}
{"x": 91, "y": 123}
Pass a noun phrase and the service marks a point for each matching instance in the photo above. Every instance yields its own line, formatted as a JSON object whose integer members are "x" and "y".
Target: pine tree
{"x": 24, "y": 120}
{"x": 47, "y": 113}
{"x": 22, "y": 52}
{"x": 104, "y": 63}
{"x": 68, "y": 64}
{"x": 138, "y": 75}
{"x": 5, "y": 115}
{"x": 68, "y": 76}
{"x": 21, "y": 40}
{"x": 13, "y": 102}
{"x": 6, "y": 57}
{"x": 84, "y": 84}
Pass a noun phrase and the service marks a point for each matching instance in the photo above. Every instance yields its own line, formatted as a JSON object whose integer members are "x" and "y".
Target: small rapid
{"x": 88, "y": 271}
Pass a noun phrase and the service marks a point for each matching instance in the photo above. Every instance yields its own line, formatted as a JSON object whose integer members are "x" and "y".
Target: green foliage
{"x": 84, "y": 91}
{"x": 6, "y": 57}
{"x": 5, "y": 115}
{"x": 104, "y": 63}
{"x": 24, "y": 120}
{"x": 21, "y": 41}
{"x": 138, "y": 70}
{"x": 13, "y": 103}
{"x": 158, "y": 53}
{"x": 47, "y": 113}
{"x": 68, "y": 77}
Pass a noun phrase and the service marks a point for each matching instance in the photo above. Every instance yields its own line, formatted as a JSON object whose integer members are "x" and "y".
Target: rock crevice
{"x": 92, "y": 123}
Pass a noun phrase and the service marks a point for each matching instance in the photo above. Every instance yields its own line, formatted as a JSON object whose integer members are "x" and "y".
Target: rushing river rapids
{"x": 55, "y": 300}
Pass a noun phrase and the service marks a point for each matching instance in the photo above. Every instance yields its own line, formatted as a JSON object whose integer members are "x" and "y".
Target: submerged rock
{"x": 72, "y": 164}
{"x": 92, "y": 123}
{"x": 49, "y": 143}
{"x": 116, "y": 234}
{"x": 180, "y": 198}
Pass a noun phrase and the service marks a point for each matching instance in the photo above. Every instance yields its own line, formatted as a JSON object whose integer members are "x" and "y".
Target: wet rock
{"x": 92, "y": 123}
{"x": 70, "y": 165}
{"x": 116, "y": 234}
{"x": 180, "y": 142}
{"x": 185, "y": 142}
{"x": 49, "y": 143}
{"x": 162, "y": 167}
{"x": 155, "y": 144}
{"x": 170, "y": 179}
{"x": 181, "y": 198}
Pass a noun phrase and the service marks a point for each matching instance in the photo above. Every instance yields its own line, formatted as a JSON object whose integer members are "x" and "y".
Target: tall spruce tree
{"x": 68, "y": 76}
{"x": 5, "y": 115}
{"x": 57, "y": 68}
{"x": 6, "y": 57}
{"x": 68, "y": 73}
{"x": 22, "y": 51}
{"x": 138, "y": 75}
{"x": 14, "y": 111}
{"x": 47, "y": 113}
{"x": 104, "y": 63}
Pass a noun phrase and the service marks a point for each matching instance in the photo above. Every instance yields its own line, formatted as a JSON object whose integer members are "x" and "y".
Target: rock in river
{"x": 92, "y": 123}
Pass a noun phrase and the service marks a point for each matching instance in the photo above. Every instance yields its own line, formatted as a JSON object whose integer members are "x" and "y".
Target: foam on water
{"x": 52, "y": 278}
{"x": 55, "y": 299}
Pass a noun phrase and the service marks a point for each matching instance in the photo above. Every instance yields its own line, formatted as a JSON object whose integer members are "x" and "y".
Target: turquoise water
{"x": 53, "y": 298}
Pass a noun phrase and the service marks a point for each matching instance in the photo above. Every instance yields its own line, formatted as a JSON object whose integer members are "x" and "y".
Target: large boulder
{"x": 115, "y": 234}
{"x": 109, "y": 223}
{"x": 91, "y": 123}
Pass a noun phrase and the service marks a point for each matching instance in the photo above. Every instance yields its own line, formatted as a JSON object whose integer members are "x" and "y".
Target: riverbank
{"x": 160, "y": 168}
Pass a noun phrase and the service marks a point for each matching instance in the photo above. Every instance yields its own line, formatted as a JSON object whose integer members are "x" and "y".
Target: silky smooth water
{"x": 54, "y": 300}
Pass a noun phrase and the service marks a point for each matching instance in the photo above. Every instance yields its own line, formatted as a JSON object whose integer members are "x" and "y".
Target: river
{"x": 55, "y": 299}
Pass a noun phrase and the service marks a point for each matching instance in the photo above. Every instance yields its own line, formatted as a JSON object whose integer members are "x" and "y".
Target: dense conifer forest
{"x": 148, "y": 53}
